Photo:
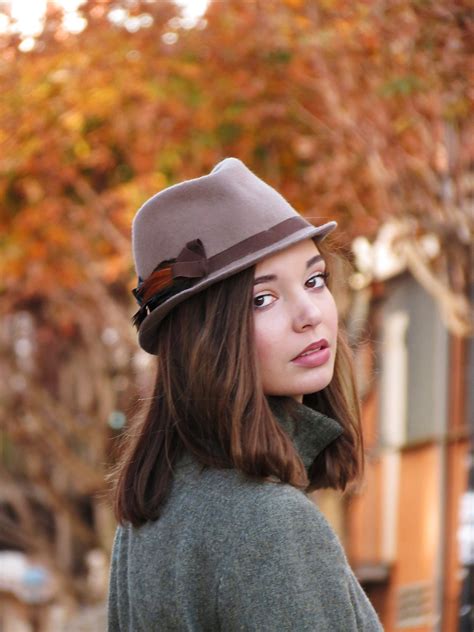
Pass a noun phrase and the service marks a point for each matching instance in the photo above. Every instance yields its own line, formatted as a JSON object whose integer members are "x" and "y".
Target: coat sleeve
{"x": 287, "y": 571}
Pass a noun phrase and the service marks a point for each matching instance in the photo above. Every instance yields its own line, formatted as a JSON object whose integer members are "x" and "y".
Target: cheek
{"x": 333, "y": 326}
{"x": 262, "y": 345}
{"x": 332, "y": 316}
{"x": 335, "y": 321}
{"x": 267, "y": 339}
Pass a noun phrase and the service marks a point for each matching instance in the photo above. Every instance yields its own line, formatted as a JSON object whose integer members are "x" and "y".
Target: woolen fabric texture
{"x": 231, "y": 553}
{"x": 235, "y": 216}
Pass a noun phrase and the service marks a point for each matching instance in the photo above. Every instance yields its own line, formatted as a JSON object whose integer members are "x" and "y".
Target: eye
{"x": 317, "y": 280}
{"x": 263, "y": 300}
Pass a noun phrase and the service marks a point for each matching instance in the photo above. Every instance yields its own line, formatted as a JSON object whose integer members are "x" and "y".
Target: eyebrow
{"x": 273, "y": 277}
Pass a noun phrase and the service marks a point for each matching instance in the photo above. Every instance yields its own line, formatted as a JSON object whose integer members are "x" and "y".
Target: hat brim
{"x": 147, "y": 335}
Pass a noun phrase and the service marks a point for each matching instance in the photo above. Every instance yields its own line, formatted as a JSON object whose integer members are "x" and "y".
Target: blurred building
{"x": 402, "y": 529}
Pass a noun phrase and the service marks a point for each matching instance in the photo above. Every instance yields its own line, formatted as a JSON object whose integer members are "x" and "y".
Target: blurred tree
{"x": 354, "y": 110}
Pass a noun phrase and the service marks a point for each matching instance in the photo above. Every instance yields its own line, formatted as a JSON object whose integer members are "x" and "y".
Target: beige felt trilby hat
{"x": 200, "y": 231}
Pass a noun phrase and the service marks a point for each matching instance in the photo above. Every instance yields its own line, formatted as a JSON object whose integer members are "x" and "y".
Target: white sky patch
{"x": 28, "y": 14}
{"x": 191, "y": 10}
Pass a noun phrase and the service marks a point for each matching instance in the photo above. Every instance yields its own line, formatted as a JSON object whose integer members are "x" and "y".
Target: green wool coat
{"x": 232, "y": 554}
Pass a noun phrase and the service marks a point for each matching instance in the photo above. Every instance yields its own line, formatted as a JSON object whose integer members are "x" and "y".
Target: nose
{"x": 306, "y": 312}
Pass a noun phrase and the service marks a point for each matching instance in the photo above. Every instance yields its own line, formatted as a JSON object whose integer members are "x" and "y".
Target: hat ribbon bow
{"x": 191, "y": 261}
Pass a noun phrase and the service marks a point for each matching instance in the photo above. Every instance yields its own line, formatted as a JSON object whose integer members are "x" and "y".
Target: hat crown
{"x": 221, "y": 209}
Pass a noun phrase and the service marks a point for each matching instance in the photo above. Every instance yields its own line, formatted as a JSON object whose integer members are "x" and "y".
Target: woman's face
{"x": 295, "y": 319}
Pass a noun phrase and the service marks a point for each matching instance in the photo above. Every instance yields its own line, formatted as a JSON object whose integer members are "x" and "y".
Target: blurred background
{"x": 359, "y": 111}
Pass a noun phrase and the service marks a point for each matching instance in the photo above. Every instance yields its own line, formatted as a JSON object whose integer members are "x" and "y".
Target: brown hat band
{"x": 186, "y": 267}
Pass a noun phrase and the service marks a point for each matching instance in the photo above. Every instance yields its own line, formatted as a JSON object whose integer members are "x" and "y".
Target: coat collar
{"x": 310, "y": 430}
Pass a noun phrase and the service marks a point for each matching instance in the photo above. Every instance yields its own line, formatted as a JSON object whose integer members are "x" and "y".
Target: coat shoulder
{"x": 229, "y": 495}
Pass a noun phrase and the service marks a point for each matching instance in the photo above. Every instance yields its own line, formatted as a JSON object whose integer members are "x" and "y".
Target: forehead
{"x": 297, "y": 255}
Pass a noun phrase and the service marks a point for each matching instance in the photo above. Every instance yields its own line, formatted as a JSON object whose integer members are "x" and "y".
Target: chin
{"x": 297, "y": 386}
{"x": 313, "y": 386}
{"x": 299, "y": 393}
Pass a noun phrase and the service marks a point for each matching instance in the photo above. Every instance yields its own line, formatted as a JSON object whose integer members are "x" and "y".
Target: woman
{"x": 216, "y": 531}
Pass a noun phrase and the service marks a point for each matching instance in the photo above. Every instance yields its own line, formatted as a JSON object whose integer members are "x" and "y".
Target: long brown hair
{"x": 208, "y": 400}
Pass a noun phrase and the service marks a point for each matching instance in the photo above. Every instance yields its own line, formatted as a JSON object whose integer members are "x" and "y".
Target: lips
{"x": 312, "y": 348}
